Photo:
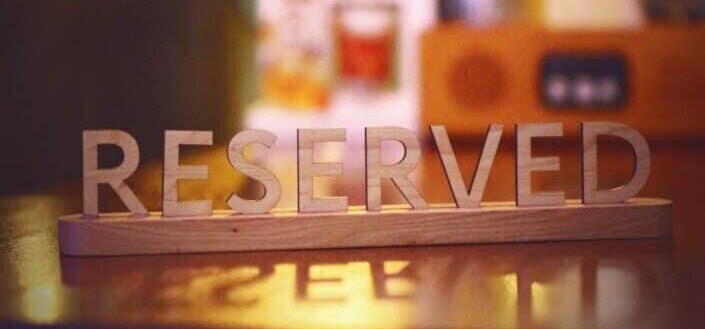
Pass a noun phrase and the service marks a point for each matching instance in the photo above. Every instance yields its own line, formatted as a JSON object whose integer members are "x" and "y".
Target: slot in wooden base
{"x": 117, "y": 234}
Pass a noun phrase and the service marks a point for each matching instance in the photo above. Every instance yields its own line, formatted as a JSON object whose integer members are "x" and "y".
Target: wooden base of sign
{"x": 118, "y": 234}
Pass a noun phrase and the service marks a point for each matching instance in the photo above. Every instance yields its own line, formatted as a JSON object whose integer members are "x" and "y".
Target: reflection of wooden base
{"x": 116, "y": 234}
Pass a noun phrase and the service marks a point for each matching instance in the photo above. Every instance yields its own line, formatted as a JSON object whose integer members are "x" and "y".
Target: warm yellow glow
{"x": 485, "y": 301}
{"x": 557, "y": 302}
{"x": 509, "y": 282}
{"x": 345, "y": 291}
{"x": 333, "y": 296}
{"x": 540, "y": 298}
{"x": 507, "y": 303}
{"x": 400, "y": 287}
{"x": 42, "y": 304}
{"x": 325, "y": 282}
{"x": 37, "y": 268}
{"x": 395, "y": 266}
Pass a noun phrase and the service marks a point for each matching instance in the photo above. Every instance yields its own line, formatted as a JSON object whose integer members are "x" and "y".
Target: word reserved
{"x": 375, "y": 170}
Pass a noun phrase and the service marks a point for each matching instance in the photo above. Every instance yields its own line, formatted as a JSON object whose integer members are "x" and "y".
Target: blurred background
{"x": 148, "y": 66}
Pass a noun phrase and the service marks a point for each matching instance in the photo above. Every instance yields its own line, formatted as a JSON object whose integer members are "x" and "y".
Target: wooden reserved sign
{"x": 192, "y": 226}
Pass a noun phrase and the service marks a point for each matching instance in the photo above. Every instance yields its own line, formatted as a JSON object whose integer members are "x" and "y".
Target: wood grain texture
{"x": 272, "y": 187}
{"x": 308, "y": 169}
{"x": 642, "y": 162}
{"x": 116, "y": 234}
{"x": 173, "y": 172}
{"x": 452, "y": 169}
{"x": 526, "y": 164}
{"x": 398, "y": 172}
{"x": 115, "y": 177}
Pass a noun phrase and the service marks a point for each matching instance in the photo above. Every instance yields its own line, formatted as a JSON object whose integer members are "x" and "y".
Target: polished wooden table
{"x": 653, "y": 283}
